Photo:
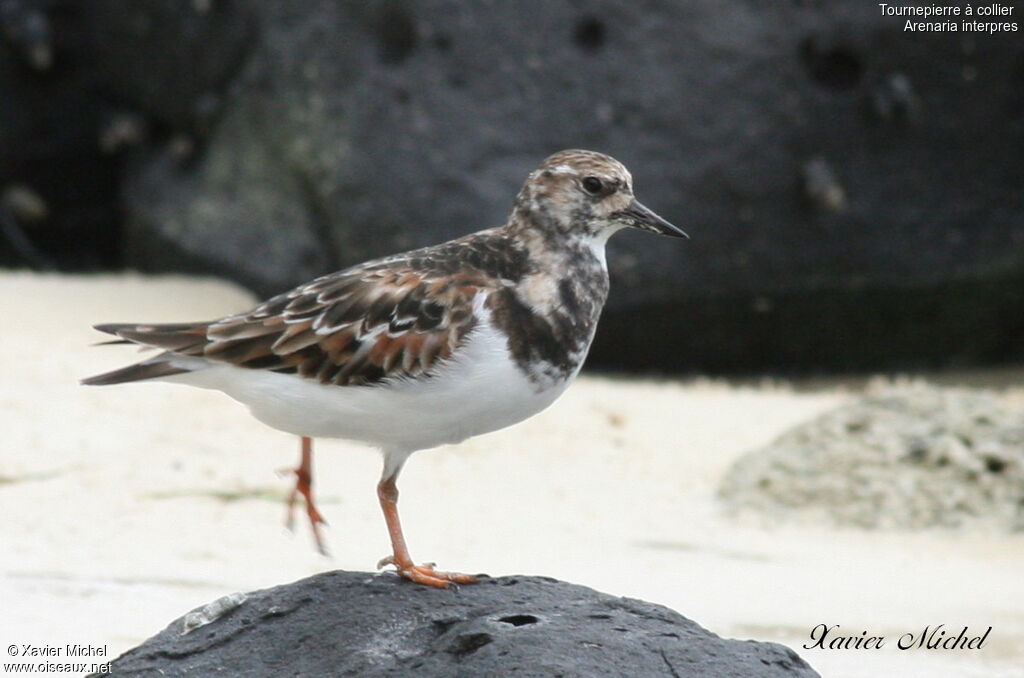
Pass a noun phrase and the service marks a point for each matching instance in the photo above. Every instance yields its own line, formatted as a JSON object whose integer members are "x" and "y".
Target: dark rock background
{"x": 854, "y": 192}
{"x": 359, "y": 624}
{"x": 81, "y": 83}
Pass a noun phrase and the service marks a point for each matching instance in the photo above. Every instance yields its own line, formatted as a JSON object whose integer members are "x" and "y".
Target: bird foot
{"x": 303, "y": 486}
{"x": 426, "y": 574}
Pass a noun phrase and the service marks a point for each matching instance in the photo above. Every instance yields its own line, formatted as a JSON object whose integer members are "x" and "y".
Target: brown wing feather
{"x": 356, "y": 327}
{"x": 391, "y": 318}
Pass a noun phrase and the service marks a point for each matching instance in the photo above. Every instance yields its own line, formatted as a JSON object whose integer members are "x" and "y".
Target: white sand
{"x": 124, "y": 507}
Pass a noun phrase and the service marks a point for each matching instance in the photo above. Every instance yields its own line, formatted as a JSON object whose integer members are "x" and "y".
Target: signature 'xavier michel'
{"x": 423, "y": 348}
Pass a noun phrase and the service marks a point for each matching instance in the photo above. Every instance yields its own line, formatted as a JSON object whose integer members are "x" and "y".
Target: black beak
{"x": 643, "y": 218}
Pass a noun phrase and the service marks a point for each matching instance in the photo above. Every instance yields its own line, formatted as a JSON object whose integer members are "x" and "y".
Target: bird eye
{"x": 592, "y": 185}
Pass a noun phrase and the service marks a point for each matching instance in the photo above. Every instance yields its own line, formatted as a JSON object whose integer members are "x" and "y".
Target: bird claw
{"x": 426, "y": 574}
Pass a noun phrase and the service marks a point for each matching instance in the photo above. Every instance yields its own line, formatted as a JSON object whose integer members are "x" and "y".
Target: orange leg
{"x": 304, "y": 486}
{"x": 387, "y": 492}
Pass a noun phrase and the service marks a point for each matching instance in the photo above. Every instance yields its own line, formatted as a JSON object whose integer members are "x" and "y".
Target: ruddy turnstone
{"x": 424, "y": 348}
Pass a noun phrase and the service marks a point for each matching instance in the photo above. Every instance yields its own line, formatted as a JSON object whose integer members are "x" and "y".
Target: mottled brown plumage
{"x": 392, "y": 318}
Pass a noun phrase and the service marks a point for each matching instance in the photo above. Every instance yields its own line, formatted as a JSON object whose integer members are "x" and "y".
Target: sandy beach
{"x": 124, "y": 507}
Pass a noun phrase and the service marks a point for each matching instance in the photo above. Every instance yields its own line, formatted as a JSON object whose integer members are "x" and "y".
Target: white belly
{"x": 479, "y": 390}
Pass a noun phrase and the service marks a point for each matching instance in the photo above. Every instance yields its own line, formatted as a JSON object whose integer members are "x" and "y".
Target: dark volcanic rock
{"x": 853, "y": 195}
{"x": 358, "y": 624}
{"x": 82, "y": 82}
{"x": 853, "y": 191}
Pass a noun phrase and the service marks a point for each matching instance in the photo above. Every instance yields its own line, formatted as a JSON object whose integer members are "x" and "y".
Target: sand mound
{"x": 916, "y": 458}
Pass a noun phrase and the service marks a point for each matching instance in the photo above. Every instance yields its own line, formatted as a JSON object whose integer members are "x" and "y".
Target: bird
{"x": 424, "y": 348}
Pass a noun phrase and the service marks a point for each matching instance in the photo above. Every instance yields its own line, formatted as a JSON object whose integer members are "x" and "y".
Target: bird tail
{"x": 181, "y": 338}
{"x": 149, "y": 369}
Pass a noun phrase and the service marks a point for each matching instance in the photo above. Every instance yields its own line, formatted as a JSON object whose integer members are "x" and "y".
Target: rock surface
{"x": 359, "y": 624}
{"x": 910, "y": 459}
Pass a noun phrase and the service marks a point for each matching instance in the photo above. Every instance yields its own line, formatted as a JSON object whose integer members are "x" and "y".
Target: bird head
{"x": 578, "y": 192}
